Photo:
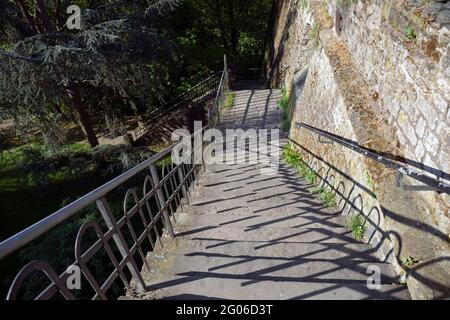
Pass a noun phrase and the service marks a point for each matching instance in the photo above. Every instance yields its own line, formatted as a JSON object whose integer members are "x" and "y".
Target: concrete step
{"x": 233, "y": 207}
{"x": 258, "y": 200}
{"x": 265, "y": 249}
{"x": 210, "y": 287}
{"x": 303, "y": 219}
{"x": 302, "y": 235}
{"x": 255, "y": 268}
{"x": 247, "y": 235}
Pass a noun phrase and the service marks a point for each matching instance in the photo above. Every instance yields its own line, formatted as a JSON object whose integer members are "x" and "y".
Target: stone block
{"x": 440, "y": 103}
{"x": 428, "y": 111}
{"x": 420, "y": 127}
{"x": 420, "y": 151}
{"x": 407, "y": 127}
{"x": 431, "y": 143}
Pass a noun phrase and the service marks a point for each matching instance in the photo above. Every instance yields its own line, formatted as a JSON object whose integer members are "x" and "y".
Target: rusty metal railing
{"x": 145, "y": 219}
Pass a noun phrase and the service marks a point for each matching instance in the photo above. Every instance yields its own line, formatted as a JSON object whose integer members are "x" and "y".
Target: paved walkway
{"x": 253, "y": 236}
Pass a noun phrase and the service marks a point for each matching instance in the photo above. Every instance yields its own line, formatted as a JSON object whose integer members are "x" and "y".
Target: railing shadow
{"x": 352, "y": 202}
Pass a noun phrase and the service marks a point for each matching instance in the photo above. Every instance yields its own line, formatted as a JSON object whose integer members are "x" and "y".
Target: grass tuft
{"x": 408, "y": 262}
{"x": 283, "y": 103}
{"x": 356, "y": 225}
{"x": 409, "y": 33}
{"x": 294, "y": 160}
{"x": 327, "y": 196}
{"x": 229, "y": 100}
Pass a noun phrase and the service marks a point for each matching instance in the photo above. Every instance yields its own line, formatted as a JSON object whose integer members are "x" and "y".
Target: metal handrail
{"x": 188, "y": 97}
{"x": 221, "y": 91}
{"x": 173, "y": 105}
{"x": 32, "y": 232}
{"x": 435, "y": 184}
{"x": 179, "y": 177}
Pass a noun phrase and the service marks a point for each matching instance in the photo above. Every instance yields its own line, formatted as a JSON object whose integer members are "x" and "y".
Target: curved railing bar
{"x": 127, "y": 214}
{"x": 27, "y": 235}
{"x": 180, "y": 177}
{"x": 47, "y": 270}
{"x": 79, "y": 255}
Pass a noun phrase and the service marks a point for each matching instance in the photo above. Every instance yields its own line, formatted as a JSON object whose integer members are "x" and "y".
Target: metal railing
{"x": 221, "y": 95}
{"x": 251, "y": 74}
{"x": 194, "y": 95}
{"x": 276, "y": 81}
{"x": 161, "y": 193}
{"x": 431, "y": 184}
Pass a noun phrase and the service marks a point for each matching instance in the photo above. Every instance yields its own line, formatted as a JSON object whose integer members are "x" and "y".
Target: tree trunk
{"x": 223, "y": 33}
{"x": 43, "y": 14}
{"x": 83, "y": 116}
{"x": 233, "y": 31}
{"x": 27, "y": 15}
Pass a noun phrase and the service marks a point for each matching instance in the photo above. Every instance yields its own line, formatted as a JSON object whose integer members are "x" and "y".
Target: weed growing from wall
{"x": 284, "y": 105}
{"x": 357, "y": 226}
{"x": 294, "y": 160}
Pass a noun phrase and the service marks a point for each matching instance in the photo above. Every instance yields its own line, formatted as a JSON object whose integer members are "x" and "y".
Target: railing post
{"x": 225, "y": 63}
{"x": 105, "y": 211}
{"x": 183, "y": 187}
{"x": 160, "y": 200}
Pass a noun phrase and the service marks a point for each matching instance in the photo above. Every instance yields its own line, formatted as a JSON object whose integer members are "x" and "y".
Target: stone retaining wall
{"x": 370, "y": 83}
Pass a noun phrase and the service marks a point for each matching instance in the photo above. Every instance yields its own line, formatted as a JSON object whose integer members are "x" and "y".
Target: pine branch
{"x": 19, "y": 57}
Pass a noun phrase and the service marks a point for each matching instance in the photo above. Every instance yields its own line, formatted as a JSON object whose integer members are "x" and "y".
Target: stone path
{"x": 253, "y": 236}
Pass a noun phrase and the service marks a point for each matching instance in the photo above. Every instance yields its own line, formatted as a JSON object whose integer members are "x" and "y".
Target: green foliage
{"x": 229, "y": 100}
{"x": 284, "y": 104}
{"x": 293, "y": 159}
{"x": 62, "y": 239}
{"x": 313, "y": 34}
{"x": 409, "y": 33}
{"x": 166, "y": 161}
{"x": 369, "y": 180}
{"x": 408, "y": 262}
{"x": 6, "y": 47}
{"x": 34, "y": 165}
{"x": 207, "y": 29}
{"x": 424, "y": 2}
{"x": 303, "y": 4}
{"x": 357, "y": 226}
{"x": 347, "y": 2}
{"x": 327, "y": 196}
{"x": 120, "y": 54}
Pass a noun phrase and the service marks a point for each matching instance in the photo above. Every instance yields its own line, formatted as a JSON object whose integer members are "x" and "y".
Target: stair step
{"x": 247, "y": 235}
{"x": 253, "y": 268}
{"x": 191, "y": 287}
{"x": 303, "y": 219}
{"x": 265, "y": 249}
{"x": 302, "y": 235}
{"x": 254, "y": 202}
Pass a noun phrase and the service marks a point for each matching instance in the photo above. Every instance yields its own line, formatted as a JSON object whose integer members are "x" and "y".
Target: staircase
{"x": 252, "y": 236}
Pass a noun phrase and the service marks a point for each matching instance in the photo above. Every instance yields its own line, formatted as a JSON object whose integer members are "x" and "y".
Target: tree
{"x": 206, "y": 29}
{"x": 48, "y": 72}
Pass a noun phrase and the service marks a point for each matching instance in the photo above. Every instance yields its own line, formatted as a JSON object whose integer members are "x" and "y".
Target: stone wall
{"x": 379, "y": 75}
